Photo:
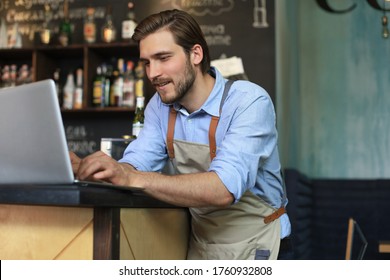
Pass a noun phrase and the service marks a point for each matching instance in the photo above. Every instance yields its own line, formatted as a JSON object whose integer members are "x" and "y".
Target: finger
{"x": 88, "y": 168}
{"x": 94, "y": 163}
{"x": 73, "y": 157}
{"x": 75, "y": 162}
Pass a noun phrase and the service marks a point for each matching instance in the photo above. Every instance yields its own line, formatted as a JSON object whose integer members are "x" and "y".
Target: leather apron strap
{"x": 170, "y": 132}
{"x": 275, "y": 215}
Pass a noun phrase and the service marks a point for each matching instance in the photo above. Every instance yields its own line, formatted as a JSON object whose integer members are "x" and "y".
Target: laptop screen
{"x": 33, "y": 146}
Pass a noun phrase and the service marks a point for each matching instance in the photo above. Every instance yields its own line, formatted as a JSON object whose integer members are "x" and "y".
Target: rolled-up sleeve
{"x": 148, "y": 151}
{"x": 248, "y": 137}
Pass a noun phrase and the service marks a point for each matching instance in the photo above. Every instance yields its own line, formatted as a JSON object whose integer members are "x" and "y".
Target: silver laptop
{"x": 33, "y": 147}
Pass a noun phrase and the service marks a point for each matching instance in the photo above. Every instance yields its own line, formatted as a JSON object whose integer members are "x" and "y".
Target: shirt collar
{"x": 211, "y": 106}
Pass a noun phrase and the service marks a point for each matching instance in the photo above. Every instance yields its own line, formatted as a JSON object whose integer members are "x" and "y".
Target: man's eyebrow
{"x": 143, "y": 59}
{"x": 156, "y": 55}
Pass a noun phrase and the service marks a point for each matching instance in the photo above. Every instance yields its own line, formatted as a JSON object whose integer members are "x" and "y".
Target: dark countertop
{"x": 78, "y": 196}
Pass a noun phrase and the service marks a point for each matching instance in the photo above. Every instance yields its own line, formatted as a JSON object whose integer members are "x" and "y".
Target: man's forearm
{"x": 188, "y": 190}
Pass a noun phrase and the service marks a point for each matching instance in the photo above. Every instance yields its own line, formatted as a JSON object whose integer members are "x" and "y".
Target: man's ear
{"x": 197, "y": 54}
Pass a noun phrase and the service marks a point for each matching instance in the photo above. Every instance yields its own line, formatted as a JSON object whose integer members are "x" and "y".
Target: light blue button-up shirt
{"x": 247, "y": 156}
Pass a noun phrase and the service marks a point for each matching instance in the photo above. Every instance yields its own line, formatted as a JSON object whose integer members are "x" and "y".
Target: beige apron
{"x": 248, "y": 229}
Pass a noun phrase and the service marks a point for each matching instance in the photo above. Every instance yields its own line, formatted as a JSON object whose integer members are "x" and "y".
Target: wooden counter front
{"x": 73, "y": 222}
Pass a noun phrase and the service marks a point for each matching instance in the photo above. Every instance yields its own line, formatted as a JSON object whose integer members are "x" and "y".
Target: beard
{"x": 181, "y": 86}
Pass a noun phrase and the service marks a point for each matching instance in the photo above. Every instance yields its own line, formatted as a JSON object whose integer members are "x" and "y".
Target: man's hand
{"x": 101, "y": 167}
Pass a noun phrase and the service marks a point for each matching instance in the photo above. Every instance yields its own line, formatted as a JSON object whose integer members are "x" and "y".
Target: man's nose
{"x": 154, "y": 70}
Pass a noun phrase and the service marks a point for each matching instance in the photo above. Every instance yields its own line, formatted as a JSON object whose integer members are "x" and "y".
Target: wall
{"x": 333, "y": 90}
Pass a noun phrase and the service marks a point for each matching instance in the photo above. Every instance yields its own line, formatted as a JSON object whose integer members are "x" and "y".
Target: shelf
{"x": 98, "y": 111}
{"x": 24, "y": 52}
{"x": 111, "y": 45}
{"x": 16, "y": 56}
{"x": 70, "y": 47}
{"x": 62, "y": 52}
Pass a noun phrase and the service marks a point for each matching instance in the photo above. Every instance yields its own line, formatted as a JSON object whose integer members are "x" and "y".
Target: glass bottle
{"x": 3, "y": 34}
{"x": 98, "y": 88}
{"x": 138, "y": 122}
{"x": 69, "y": 89}
{"x": 65, "y": 28}
{"x": 46, "y": 32}
{"x": 13, "y": 75}
{"x": 113, "y": 79}
{"x": 139, "y": 82}
{"x": 129, "y": 86}
{"x": 56, "y": 78}
{"x": 78, "y": 93}
{"x": 129, "y": 25}
{"x": 6, "y": 77}
{"x": 118, "y": 83}
{"x": 90, "y": 26}
{"x": 107, "y": 76}
{"x": 108, "y": 28}
{"x": 23, "y": 75}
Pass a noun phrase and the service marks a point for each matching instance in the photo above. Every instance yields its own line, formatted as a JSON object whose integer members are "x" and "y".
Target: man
{"x": 221, "y": 144}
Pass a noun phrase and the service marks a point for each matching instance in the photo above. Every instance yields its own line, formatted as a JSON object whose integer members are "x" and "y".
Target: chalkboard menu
{"x": 243, "y": 28}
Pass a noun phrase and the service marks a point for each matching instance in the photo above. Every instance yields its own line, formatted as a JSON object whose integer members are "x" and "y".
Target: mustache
{"x": 158, "y": 81}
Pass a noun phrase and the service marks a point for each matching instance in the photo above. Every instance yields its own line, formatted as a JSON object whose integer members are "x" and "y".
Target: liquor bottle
{"x": 46, "y": 32}
{"x": 78, "y": 93}
{"x": 98, "y": 88}
{"x": 138, "y": 122}
{"x": 90, "y": 26}
{"x": 108, "y": 28}
{"x": 112, "y": 95}
{"x": 13, "y": 75}
{"x": 139, "y": 82}
{"x": 3, "y": 34}
{"x": 56, "y": 78}
{"x": 15, "y": 39}
{"x": 24, "y": 75}
{"x": 6, "y": 77}
{"x": 65, "y": 28}
{"x": 69, "y": 89}
{"x": 129, "y": 25}
{"x": 107, "y": 74}
{"x": 118, "y": 83}
{"x": 129, "y": 86}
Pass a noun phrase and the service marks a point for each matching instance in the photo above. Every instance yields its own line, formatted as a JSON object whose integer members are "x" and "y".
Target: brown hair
{"x": 186, "y": 31}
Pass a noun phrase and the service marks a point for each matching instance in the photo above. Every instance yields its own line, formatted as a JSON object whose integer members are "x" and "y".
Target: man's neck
{"x": 199, "y": 92}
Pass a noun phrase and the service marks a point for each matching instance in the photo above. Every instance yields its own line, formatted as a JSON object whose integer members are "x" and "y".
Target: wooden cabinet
{"x": 97, "y": 122}
{"x": 43, "y": 61}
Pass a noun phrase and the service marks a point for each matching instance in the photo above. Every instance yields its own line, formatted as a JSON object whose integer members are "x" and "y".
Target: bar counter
{"x": 89, "y": 222}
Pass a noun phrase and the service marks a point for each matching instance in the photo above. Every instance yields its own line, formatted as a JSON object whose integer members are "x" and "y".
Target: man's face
{"x": 167, "y": 66}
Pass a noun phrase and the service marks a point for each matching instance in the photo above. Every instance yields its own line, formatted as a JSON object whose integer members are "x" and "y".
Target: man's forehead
{"x": 159, "y": 42}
